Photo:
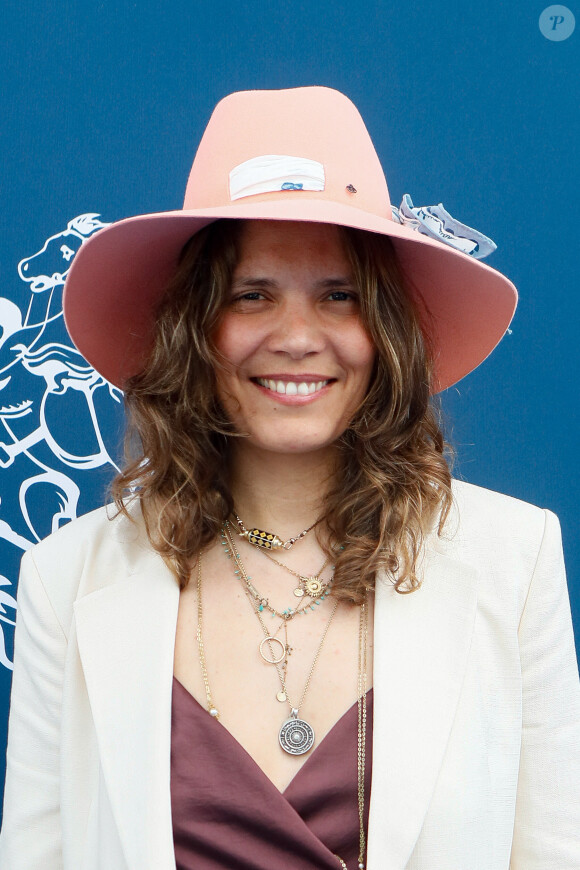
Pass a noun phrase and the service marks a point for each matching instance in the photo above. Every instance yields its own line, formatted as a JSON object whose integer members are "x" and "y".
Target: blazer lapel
{"x": 421, "y": 646}
{"x": 126, "y": 636}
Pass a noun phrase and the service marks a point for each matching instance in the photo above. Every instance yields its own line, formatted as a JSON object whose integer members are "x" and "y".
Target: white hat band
{"x": 272, "y": 172}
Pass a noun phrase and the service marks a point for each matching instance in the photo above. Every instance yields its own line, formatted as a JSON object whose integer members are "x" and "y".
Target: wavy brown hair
{"x": 392, "y": 484}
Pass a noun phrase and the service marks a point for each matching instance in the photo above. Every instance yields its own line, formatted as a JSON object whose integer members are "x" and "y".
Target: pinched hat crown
{"x": 293, "y": 145}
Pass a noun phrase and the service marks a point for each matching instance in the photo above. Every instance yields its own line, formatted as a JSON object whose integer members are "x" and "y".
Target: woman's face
{"x": 298, "y": 357}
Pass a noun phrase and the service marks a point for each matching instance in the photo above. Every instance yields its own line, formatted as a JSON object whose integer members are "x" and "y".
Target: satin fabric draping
{"x": 227, "y": 813}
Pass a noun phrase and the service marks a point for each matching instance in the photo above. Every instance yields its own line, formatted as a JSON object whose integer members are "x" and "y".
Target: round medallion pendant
{"x": 296, "y": 736}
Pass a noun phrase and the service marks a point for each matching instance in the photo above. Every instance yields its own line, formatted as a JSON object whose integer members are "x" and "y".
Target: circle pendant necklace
{"x": 296, "y": 736}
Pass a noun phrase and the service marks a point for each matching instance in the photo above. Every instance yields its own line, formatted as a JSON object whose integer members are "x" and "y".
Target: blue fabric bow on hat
{"x": 434, "y": 221}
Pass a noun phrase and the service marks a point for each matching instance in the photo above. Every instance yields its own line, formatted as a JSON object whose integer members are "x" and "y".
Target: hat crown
{"x": 269, "y": 138}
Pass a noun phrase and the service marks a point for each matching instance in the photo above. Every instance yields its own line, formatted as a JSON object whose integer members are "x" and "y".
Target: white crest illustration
{"x": 59, "y": 419}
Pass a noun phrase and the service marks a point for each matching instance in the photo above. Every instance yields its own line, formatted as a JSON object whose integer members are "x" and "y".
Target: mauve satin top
{"x": 227, "y": 814}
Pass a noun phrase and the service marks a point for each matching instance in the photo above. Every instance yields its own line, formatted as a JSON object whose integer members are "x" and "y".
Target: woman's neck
{"x": 280, "y": 492}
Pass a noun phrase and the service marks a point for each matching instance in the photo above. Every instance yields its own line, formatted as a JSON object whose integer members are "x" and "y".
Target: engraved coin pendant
{"x": 296, "y": 736}
{"x": 298, "y": 592}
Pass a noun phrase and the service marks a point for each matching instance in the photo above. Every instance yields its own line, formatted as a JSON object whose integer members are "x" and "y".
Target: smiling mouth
{"x": 292, "y": 388}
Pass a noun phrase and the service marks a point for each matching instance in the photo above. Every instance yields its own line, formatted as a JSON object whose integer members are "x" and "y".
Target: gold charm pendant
{"x": 282, "y": 649}
{"x": 313, "y": 586}
{"x": 266, "y": 540}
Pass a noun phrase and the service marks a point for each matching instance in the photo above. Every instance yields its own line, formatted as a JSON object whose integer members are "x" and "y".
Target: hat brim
{"x": 119, "y": 275}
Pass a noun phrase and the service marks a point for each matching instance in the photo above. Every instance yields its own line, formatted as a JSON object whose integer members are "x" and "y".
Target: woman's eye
{"x": 250, "y": 296}
{"x": 342, "y": 296}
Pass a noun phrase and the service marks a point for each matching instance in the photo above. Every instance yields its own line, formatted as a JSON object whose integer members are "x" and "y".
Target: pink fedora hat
{"x": 299, "y": 154}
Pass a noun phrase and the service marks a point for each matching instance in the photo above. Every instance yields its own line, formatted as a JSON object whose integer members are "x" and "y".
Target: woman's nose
{"x": 297, "y": 331}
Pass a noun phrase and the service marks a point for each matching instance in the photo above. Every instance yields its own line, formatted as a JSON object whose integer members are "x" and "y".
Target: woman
{"x": 289, "y": 555}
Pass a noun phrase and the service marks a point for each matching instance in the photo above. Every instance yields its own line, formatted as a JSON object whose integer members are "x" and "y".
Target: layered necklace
{"x": 310, "y": 585}
{"x": 296, "y": 735}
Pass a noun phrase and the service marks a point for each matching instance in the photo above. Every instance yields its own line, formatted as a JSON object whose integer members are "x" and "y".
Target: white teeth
{"x": 291, "y": 388}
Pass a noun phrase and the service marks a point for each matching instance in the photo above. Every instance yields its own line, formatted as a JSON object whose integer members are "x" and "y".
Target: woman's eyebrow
{"x": 324, "y": 283}
{"x": 335, "y": 282}
{"x": 253, "y": 282}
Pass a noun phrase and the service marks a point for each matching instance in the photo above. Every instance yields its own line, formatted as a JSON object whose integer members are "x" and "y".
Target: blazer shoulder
{"x": 476, "y": 505}
{"x": 499, "y": 534}
{"x": 77, "y": 538}
{"x": 95, "y": 550}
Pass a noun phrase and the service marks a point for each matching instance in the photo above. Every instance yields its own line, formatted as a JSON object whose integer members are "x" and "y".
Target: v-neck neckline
{"x": 241, "y": 748}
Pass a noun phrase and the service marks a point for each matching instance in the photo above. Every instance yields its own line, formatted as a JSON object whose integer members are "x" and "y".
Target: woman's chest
{"x": 317, "y": 675}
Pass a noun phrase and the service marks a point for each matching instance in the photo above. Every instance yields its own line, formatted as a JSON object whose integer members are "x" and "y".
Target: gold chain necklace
{"x": 211, "y": 707}
{"x": 361, "y": 713}
{"x": 263, "y": 602}
{"x": 362, "y": 726}
{"x": 268, "y": 540}
{"x": 310, "y": 584}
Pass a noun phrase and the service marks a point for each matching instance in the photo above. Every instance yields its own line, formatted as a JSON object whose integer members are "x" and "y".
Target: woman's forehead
{"x": 291, "y": 242}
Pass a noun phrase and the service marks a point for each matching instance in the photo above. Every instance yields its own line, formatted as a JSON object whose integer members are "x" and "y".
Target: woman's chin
{"x": 292, "y": 444}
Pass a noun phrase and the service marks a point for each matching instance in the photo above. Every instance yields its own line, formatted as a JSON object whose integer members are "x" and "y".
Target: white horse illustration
{"x": 55, "y": 409}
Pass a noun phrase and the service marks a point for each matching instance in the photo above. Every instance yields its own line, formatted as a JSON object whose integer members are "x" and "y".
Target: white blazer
{"x": 476, "y": 741}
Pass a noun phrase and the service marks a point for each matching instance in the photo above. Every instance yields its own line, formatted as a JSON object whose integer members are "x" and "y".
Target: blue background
{"x": 102, "y": 108}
